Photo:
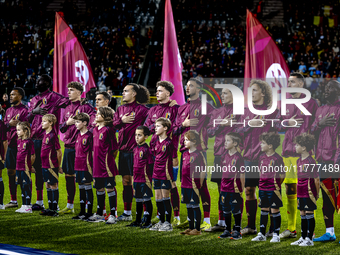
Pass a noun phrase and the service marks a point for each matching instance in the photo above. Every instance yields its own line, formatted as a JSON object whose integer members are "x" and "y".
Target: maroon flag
{"x": 70, "y": 61}
{"x": 263, "y": 58}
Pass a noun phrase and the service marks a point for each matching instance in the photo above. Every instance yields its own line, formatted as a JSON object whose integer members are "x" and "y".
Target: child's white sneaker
{"x": 259, "y": 237}
{"x": 307, "y": 242}
{"x": 275, "y": 239}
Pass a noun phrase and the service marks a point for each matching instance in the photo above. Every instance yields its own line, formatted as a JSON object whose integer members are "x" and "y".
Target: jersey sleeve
{"x": 32, "y": 148}
{"x": 56, "y": 143}
{"x": 117, "y": 121}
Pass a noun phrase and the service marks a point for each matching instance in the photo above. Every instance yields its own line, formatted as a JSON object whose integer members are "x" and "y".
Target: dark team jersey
{"x": 49, "y": 147}
{"x": 142, "y": 164}
{"x": 307, "y": 171}
{"x": 163, "y": 160}
{"x": 25, "y": 151}
{"x": 84, "y": 148}
{"x": 271, "y": 170}
{"x": 193, "y": 164}
{"x": 231, "y": 177}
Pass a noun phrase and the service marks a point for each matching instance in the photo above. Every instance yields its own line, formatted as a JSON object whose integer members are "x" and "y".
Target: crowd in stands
{"x": 211, "y": 44}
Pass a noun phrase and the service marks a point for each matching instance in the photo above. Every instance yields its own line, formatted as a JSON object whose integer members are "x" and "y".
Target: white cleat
{"x": 298, "y": 242}
{"x": 307, "y": 242}
{"x": 260, "y": 237}
{"x": 275, "y": 239}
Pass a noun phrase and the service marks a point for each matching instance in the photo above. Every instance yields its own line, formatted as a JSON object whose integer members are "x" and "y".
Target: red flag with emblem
{"x": 264, "y": 59}
{"x": 70, "y": 61}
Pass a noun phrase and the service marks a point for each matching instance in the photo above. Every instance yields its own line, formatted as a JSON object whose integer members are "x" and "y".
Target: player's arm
{"x": 63, "y": 125}
{"x": 32, "y": 159}
{"x": 148, "y": 122}
{"x": 317, "y": 186}
{"x": 5, "y": 144}
{"x": 117, "y": 121}
{"x": 59, "y": 156}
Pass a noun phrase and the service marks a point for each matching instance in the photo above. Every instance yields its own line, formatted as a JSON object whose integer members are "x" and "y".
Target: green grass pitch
{"x": 62, "y": 234}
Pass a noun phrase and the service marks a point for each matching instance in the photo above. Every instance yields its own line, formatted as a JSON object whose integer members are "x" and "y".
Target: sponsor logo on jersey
{"x": 84, "y": 141}
{"x": 167, "y": 115}
{"x": 196, "y": 112}
{"x": 164, "y": 148}
{"x": 44, "y": 101}
{"x": 101, "y": 136}
{"x": 141, "y": 154}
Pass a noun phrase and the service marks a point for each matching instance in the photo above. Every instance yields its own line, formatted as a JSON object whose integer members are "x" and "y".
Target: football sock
{"x": 168, "y": 209}
{"x": 197, "y": 217}
{"x": 89, "y": 198}
{"x": 82, "y": 199}
{"x": 207, "y": 220}
{"x": 191, "y": 216}
{"x": 127, "y": 198}
{"x": 220, "y": 210}
{"x": 161, "y": 209}
{"x": 263, "y": 221}
{"x": 49, "y": 198}
{"x": 139, "y": 209}
{"x": 175, "y": 201}
{"x": 304, "y": 226}
{"x": 12, "y": 187}
{"x": 112, "y": 201}
{"x": 40, "y": 197}
{"x": 101, "y": 202}
{"x": 328, "y": 210}
{"x": 28, "y": 194}
{"x": 227, "y": 220}
{"x": 241, "y": 206}
{"x": 114, "y": 188}
{"x": 148, "y": 209}
{"x": 23, "y": 199}
{"x": 238, "y": 218}
{"x": 71, "y": 189}
{"x": 311, "y": 225}
{"x": 55, "y": 196}
{"x": 206, "y": 200}
{"x": 277, "y": 222}
{"x": 39, "y": 183}
{"x": 251, "y": 208}
{"x": 271, "y": 228}
{"x": 291, "y": 211}
{"x": 329, "y": 230}
{"x": 2, "y": 190}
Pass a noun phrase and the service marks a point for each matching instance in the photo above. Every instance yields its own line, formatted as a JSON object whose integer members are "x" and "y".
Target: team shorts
{"x": 142, "y": 190}
{"x": 23, "y": 178}
{"x": 51, "y": 175}
{"x": 217, "y": 175}
{"x": 270, "y": 199}
{"x": 11, "y": 158}
{"x": 291, "y": 174}
{"x": 68, "y": 161}
{"x": 83, "y": 177}
{"x": 125, "y": 163}
{"x": 106, "y": 182}
{"x": 231, "y": 202}
{"x": 252, "y": 176}
{"x": 189, "y": 196}
{"x": 306, "y": 204}
{"x": 161, "y": 184}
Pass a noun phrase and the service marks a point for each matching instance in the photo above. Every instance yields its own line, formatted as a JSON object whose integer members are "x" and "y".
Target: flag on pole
{"x": 263, "y": 58}
{"x": 70, "y": 61}
{"x": 172, "y": 62}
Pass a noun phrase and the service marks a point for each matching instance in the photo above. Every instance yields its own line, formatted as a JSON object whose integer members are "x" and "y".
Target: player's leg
{"x": 166, "y": 226}
{"x": 39, "y": 179}
{"x": 276, "y": 204}
{"x": 237, "y": 202}
{"x": 197, "y": 219}
{"x": 174, "y": 193}
{"x": 265, "y": 206}
{"x": 89, "y": 199}
{"x": 159, "y": 204}
{"x": 185, "y": 199}
{"x": 2, "y": 189}
{"x": 18, "y": 182}
{"x": 304, "y": 223}
{"x": 55, "y": 195}
{"x": 82, "y": 195}
{"x": 138, "y": 195}
{"x": 125, "y": 166}
{"x": 225, "y": 200}
{"x": 328, "y": 207}
{"x": 112, "y": 194}
{"x": 291, "y": 192}
{"x": 206, "y": 203}
{"x": 27, "y": 188}
{"x": 70, "y": 177}
{"x": 46, "y": 177}
{"x": 147, "y": 195}
{"x": 10, "y": 164}
{"x": 100, "y": 188}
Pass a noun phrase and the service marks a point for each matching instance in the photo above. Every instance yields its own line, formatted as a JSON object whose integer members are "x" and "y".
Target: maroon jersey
{"x": 71, "y": 131}
{"x": 307, "y": 171}
{"x": 49, "y": 147}
{"x": 52, "y": 102}
{"x": 3, "y": 137}
{"x": 166, "y": 111}
{"x": 25, "y": 151}
{"x": 231, "y": 177}
{"x": 193, "y": 110}
{"x": 142, "y": 164}
{"x": 126, "y": 135}
{"x": 271, "y": 170}
{"x": 251, "y": 142}
{"x": 163, "y": 162}
{"x": 191, "y": 174}
{"x": 19, "y": 112}
{"x": 104, "y": 145}
{"x": 288, "y": 146}
{"x": 219, "y": 131}
{"x": 83, "y": 160}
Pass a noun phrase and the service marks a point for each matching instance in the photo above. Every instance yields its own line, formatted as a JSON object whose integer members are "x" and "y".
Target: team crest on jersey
{"x": 17, "y": 116}
{"x": 84, "y": 141}
{"x": 271, "y": 163}
{"x": 261, "y": 117}
{"x": 44, "y": 101}
{"x": 233, "y": 162}
{"x": 164, "y": 148}
{"x": 24, "y": 146}
{"x": 47, "y": 140}
{"x": 167, "y": 115}
{"x": 191, "y": 159}
{"x": 301, "y": 112}
{"x": 232, "y": 115}
{"x": 132, "y": 114}
{"x": 77, "y": 112}
{"x": 101, "y": 136}
{"x": 141, "y": 154}
{"x": 196, "y": 112}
